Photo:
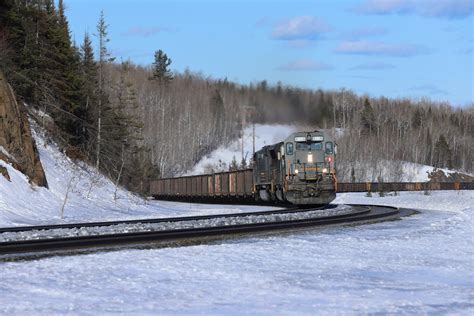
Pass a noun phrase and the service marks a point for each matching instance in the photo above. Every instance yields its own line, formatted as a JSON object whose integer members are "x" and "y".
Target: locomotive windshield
{"x": 329, "y": 148}
{"x": 309, "y": 146}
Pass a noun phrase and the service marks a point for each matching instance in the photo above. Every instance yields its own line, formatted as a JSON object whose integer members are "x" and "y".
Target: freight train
{"x": 300, "y": 170}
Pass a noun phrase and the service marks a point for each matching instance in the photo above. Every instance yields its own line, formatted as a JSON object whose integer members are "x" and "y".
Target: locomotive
{"x": 299, "y": 170}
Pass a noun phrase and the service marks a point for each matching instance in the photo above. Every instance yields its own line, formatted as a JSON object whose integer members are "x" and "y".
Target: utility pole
{"x": 242, "y": 133}
{"x": 248, "y": 111}
{"x": 253, "y": 139}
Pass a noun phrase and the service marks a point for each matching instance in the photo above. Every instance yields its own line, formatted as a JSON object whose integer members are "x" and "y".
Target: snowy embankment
{"x": 91, "y": 196}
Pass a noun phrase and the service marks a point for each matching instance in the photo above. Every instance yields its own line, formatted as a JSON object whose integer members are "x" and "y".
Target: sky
{"x": 394, "y": 48}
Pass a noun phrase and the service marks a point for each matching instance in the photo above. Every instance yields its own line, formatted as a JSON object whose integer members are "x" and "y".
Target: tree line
{"x": 69, "y": 83}
{"x": 138, "y": 122}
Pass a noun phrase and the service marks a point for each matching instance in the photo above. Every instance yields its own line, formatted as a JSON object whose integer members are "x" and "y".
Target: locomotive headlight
{"x": 325, "y": 170}
{"x": 310, "y": 157}
{"x": 296, "y": 171}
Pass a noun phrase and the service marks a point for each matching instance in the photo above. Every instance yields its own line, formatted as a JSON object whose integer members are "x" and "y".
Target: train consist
{"x": 300, "y": 170}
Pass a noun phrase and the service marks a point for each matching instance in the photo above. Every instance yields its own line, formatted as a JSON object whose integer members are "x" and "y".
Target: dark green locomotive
{"x": 300, "y": 170}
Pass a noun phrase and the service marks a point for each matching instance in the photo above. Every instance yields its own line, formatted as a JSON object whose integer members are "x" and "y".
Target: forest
{"x": 138, "y": 122}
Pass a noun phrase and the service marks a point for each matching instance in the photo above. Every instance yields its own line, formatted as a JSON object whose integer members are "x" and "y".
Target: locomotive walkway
{"x": 55, "y": 239}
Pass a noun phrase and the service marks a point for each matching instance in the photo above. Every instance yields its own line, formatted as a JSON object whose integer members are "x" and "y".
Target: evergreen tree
{"x": 88, "y": 90}
{"x": 217, "y": 108}
{"x": 417, "y": 119}
{"x": 368, "y": 116}
{"x": 233, "y": 164}
{"x": 442, "y": 153}
{"x": 243, "y": 163}
{"x": 429, "y": 147}
{"x": 103, "y": 98}
{"x": 161, "y": 71}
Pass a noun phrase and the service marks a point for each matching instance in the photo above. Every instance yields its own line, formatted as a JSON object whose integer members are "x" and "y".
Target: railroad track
{"x": 181, "y": 230}
{"x": 157, "y": 220}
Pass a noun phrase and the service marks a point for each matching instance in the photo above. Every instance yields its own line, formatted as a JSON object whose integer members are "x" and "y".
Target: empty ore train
{"x": 300, "y": 170}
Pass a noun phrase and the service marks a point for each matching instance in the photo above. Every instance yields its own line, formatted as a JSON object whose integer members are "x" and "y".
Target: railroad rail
{"x": 359, "y": 214}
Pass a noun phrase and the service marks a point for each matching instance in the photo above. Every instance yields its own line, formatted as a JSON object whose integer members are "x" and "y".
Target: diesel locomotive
{"x": 300, "y": 170}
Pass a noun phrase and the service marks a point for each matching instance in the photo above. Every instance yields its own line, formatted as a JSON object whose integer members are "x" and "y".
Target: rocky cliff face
{"x": 17, "y": 146}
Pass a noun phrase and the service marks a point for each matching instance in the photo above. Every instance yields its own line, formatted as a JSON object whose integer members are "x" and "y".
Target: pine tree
{"x": 88, "y": 90}
{"x": 429, "y": 147}
{"x": 243, "y": 163}
{"x": 368, "y": 116}
{"x": 122, "y": 134}
{"x": 217, "y": 108}
{"x": 233, "y": 164}
{"x": 442, "y": 153}
{"x": 104, "y": 58}
{"x": 161, "y": 72}
{"x": 417, "y": 119}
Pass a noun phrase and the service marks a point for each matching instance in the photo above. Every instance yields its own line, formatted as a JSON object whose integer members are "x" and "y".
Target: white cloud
{"x": 430, "y": 89}
{"x": 300, "y": 28}
{"x": 451, "y": 9}
{"x": 363, "y": 47}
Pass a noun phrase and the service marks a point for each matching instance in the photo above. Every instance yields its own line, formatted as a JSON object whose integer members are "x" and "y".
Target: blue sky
{"x": 394, "y": 48}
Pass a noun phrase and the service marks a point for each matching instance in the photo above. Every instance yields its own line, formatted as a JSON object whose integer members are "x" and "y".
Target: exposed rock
{"x": 4, "y": 172}
{"x": 16, "y": 143}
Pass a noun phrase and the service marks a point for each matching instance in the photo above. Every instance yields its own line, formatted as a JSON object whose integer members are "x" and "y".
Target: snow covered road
{"x": 421, "y": 264}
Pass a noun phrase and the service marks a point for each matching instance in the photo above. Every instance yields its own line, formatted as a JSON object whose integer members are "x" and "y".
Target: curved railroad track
{"x": 54, "y": 239}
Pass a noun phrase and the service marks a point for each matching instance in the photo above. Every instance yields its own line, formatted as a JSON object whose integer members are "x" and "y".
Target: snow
{"x": 436, "y": 200}
{"x": 422, "y": 264}
{"x": 24, "y": 204}
{"x": 391, "y": 171}
{"x": 6, "y": 153}
{"x": 264, "y": 135}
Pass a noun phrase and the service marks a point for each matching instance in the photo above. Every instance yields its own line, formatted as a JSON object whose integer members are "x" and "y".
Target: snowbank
{"x": 91, "y": 196}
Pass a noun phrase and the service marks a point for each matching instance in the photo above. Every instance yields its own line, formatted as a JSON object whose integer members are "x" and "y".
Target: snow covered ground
{"x": 423, "y": 264}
